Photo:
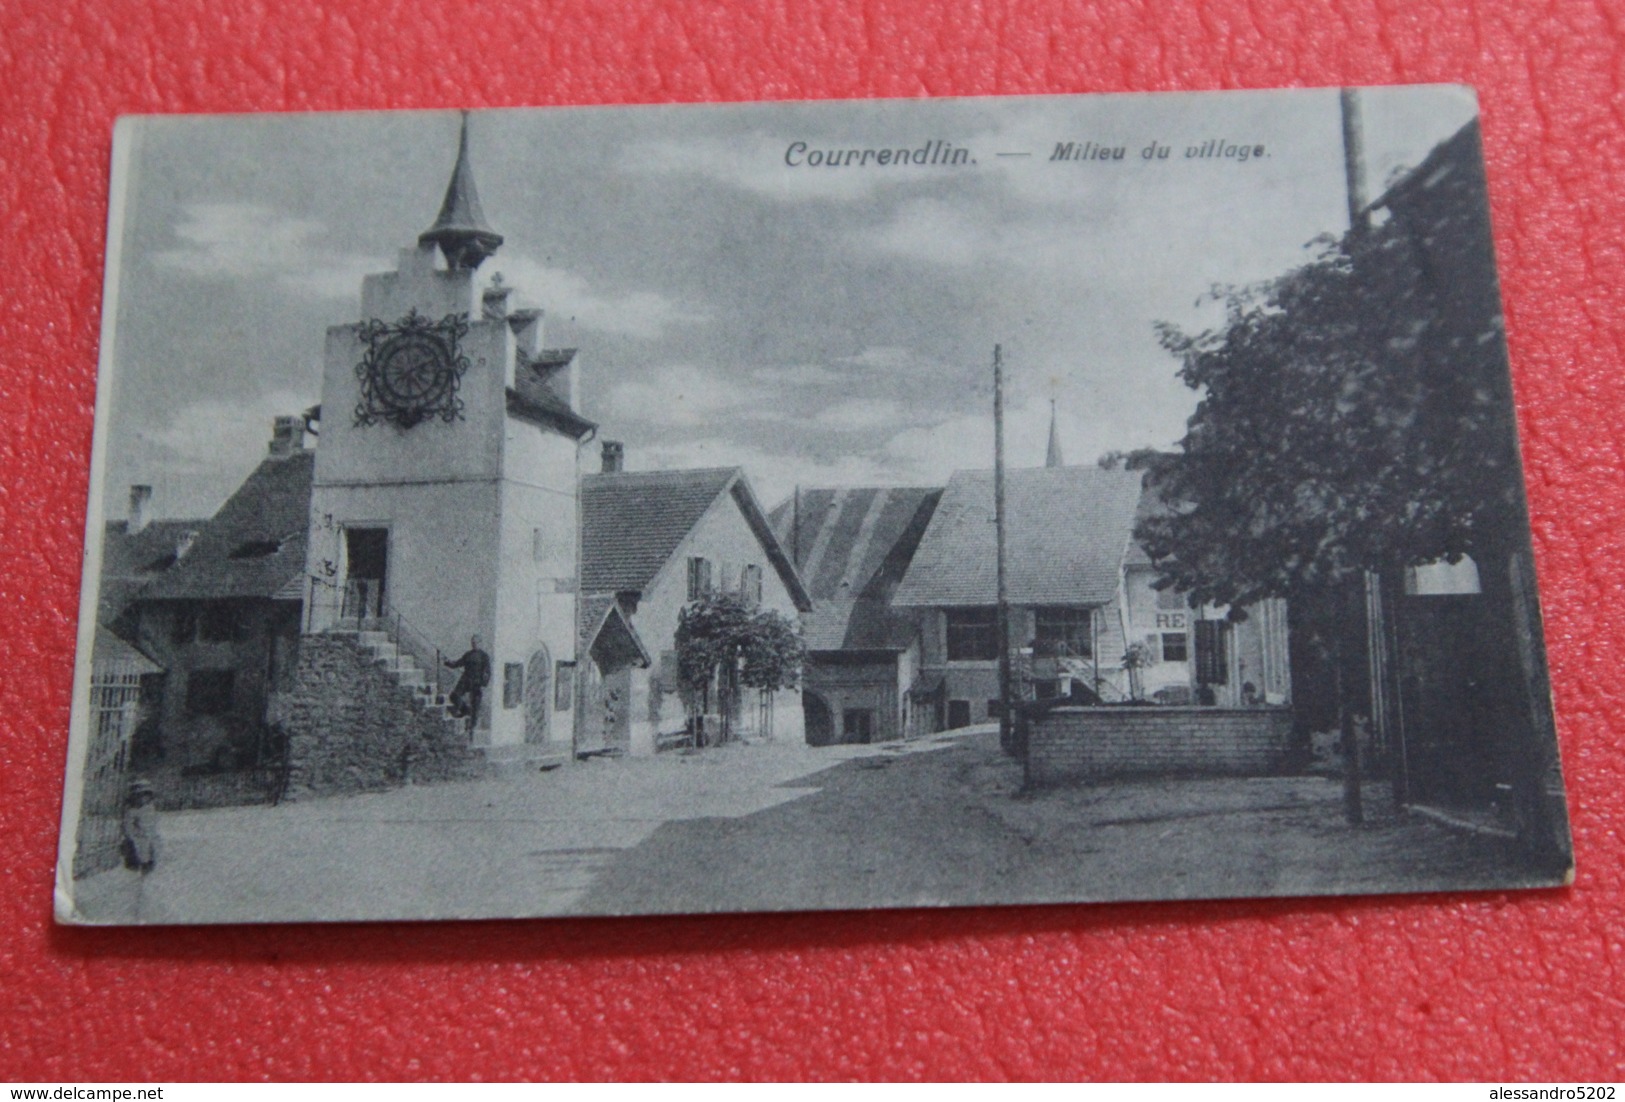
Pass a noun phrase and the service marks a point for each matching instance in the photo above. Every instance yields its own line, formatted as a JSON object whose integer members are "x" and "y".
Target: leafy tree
{"x": 1139, "y": 459}
{"x": 725, "y": 642}
{"x": 1356, "y": 416}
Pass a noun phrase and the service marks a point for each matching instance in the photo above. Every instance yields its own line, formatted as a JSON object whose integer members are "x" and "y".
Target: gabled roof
{"x": 602, "y": 615}
{"x": 853, "y": 547}
{"x": 254, "y": 546}
{"x": 632, "y": 522}
{"x": 1068, "y": 530}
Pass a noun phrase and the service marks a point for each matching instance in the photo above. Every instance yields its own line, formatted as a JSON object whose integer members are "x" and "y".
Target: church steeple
{"x": 1053, "y": 457}
{"x": 461, "y": 231}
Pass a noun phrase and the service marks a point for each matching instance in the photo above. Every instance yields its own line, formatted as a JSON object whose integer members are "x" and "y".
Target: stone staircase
{"x": 401, "y": 666}
{"x": 408, "y": 672}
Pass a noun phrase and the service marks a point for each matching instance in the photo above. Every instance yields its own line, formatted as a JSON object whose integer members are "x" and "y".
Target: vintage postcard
{"x": 798, "y": 506}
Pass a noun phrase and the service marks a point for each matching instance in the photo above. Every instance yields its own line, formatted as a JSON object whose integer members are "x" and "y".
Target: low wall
{"x": 1069, "y": 745}
{"x": 351, "y": 726}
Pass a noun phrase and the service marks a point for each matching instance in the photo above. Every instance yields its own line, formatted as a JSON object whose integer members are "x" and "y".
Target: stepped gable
{"x": 254, "y": 547}
{"x": 853, "y": 547}
{"x": 534, "y": 400}
{"x": 1068, "y": 532}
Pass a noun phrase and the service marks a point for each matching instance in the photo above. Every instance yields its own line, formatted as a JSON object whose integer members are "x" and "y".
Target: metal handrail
{"x": 372, "y": 612}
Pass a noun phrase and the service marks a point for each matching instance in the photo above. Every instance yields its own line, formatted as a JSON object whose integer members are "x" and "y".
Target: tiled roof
{"x": 113, "y": 654}
{"x": 254, "y": 545}
{"x": 1068, "y": 531}
{"x": 853, "y": 547}
{"x": 633, "y": 521}
{"x": 131, "y": 562}
{"x": 531, "y": 397}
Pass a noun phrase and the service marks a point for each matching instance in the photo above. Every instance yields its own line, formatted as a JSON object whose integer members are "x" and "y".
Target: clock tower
{"x": 444, "y": 498}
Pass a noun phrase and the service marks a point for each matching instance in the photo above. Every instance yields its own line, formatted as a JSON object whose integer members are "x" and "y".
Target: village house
{"x": 653, "y": 542}
{"x": 1085, "y": 616}
{"x": 217, "y": 606}
{"x": 852, "y": 547}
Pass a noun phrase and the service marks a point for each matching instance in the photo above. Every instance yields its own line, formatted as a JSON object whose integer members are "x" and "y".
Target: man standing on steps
{"x": 470, "y": 687}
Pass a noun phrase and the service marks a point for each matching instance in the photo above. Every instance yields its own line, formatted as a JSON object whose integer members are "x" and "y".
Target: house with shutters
{"x": 652, "y": 542}
{"x": 217, "y": 606}
{"x": 1081, "y": 594}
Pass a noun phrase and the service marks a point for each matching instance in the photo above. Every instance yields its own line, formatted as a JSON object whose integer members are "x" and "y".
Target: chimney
{"x": 140, "y": 501}
{"x": 494, "y": 302}
{"x": 614, "y": 456}
{"x": 287, "y": 437}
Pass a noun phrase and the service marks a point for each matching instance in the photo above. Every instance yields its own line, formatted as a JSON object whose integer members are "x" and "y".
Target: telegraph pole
{"x": 1354, "y": 180}
{"x": 1007, "y": 741}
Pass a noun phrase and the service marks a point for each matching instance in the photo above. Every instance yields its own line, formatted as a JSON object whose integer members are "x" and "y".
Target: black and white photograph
{"x": 801, "y": 506}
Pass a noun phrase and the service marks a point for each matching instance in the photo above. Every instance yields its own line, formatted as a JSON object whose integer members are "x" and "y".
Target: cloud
{"x": 688, "y": 395}
{"x": 861, "y": 414}
{"x": 202, "y": 453}
{"x": 247, "y": 241}
{"x": 564, "y": 294}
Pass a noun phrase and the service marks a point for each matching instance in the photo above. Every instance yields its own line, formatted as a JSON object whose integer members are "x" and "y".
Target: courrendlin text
{"x": 935, "y": 152}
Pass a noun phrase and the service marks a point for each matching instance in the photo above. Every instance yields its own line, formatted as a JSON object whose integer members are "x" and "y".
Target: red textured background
{"x": 1494, "y": 986}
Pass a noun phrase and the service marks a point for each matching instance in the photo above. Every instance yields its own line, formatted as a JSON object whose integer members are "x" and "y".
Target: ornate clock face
{"x": 411, "y": 370}
{"x": 414, "y": 371}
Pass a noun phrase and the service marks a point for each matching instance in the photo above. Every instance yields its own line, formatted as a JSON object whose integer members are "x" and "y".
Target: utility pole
{"x": 1007, "y": 740}
{"x": 1353, "y": 810}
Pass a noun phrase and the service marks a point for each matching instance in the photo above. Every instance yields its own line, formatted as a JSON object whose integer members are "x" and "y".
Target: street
{"x": 781, "y": 827}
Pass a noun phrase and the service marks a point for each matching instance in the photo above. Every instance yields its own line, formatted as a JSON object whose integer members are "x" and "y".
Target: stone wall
{"x": 1090, "y": 744}
{"x": 351, "y": 726}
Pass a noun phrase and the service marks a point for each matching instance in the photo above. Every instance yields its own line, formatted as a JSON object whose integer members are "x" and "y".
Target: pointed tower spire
{"x": 461, "y": 230}
{"x": 1053, "y": 458}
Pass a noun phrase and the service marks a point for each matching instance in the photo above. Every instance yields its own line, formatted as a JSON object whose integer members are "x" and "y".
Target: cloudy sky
{"x": 826, "y": 327}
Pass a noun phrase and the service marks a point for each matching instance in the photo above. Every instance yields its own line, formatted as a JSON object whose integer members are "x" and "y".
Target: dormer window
{"x": 256, "y": 549}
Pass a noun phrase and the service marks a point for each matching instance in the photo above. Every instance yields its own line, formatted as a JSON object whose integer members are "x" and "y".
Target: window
{"x": 255, "y": 549}
{"x": 994, "y": 707}
{"x": 666, "y": 673}
{"x": 973, "y": 635}
{"x": 209, "y": 692}
{"x": 183, "y": 629}
{"x": 750, "y": 584}
{"x": 1211, "y": 661}
{"x": 958, "y": 714}
{"x": 220, "y": 622}
{"x": 1069, "y": 631}
{"x": 699, "y": 578}
{"x": 513, "y": 684}
{"x": 1175, "y": 647}
{"x": 564, "y": 682}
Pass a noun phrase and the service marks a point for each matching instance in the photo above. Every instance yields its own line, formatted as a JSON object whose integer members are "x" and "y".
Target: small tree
{"x": 724, "y": 643}
{"x": 1135, "y": 660}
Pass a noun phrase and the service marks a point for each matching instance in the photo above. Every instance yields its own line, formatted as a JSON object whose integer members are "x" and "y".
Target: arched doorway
{"x": 538, "y": 695}
{"x": 820, "y": 722}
